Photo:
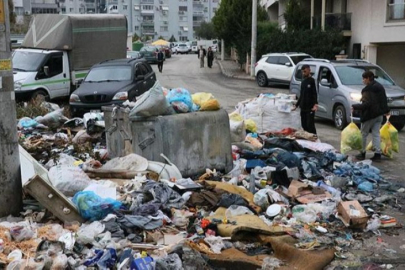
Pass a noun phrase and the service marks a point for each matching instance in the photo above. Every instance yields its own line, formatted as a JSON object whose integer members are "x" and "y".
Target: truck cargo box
{"x": 89, "y": 39}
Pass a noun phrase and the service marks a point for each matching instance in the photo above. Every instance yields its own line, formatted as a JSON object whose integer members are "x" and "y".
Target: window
{"x": 19, "y": 10}
{"x": 396, "y": 10}
{"x": 71, "y": 9}
{"x": 326, "y": 74}
{"x": 124, "y": 7}
{"x": 136, "y": 28}
{"x": 272, "y": 60}
{"x": 282, "y": 60}
{"x": 114, "y": 73}
{"x": 298, "y": 72}
{"x": 137, "y": 7}
{"x": 147, "y": 18}
{"x": 182, "y": 8}
{"x": 352, "y": 75}
{"x": 298, "y": 58}
{"x": 183, "y": 18}
{"x": 183, "y": 38}
{"x": 54, "y": 64}
{"x": 141, "y": 70}
{"x": 164, "y": 29}
{"x": 147, "y": 7}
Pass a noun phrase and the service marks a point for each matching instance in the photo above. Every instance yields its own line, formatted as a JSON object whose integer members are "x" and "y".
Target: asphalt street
{"x": 184, "y": 71}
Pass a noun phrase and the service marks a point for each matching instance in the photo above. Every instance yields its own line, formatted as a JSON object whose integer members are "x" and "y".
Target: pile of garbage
{"x": 290, "y": 201}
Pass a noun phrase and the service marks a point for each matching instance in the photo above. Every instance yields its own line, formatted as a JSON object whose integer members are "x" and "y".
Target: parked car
{"x": 339, "y": 85}
{"x": 134, "y": 54}
{"x": 277, "y": 67}
{"x": 150, "y": 53}
{"x": 182, "y": 48}
{"x": 112, "y": 82}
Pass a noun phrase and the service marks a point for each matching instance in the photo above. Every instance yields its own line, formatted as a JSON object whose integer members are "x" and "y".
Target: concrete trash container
{"x": 192, "y": 141}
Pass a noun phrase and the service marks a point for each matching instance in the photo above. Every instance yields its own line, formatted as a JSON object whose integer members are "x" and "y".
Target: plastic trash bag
{"x": 261, "y": 199}
{"x": 351, "y": 139}
{"x": 210, "y": 105}
{"x": 68, "y": 179}
{"x": 180, "y": 99}
{"x": 237, "y": 210}
{"x": 201, "y": 98}
{"x": 21, "y": 232}
{"x": 389, "y": 140}
{"x": 53, "y": 119}
{"x": 238, "y": 131}
{"x": 171, "y": 262}
{"x": 216, "y": 243}
{"x": 93, "y": 207}
{"x": 26, "y": 122}
{"x": 152, "y": 103}
{"x": 88, "y": 232}
{"x": 251, "y": 125}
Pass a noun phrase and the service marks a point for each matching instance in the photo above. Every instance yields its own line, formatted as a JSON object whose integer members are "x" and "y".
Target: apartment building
{"x": 375, "y": 28}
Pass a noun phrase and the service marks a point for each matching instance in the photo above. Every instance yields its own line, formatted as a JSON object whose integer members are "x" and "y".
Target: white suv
{"x": 277, "y": 67}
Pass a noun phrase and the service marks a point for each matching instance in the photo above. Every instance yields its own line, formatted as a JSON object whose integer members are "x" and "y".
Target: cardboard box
{"x": 304, "y": 193}
{"x": 352, "y": 214}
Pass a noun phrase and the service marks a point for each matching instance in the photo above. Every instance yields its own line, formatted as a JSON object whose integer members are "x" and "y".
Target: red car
{"x": 168, "y": 52}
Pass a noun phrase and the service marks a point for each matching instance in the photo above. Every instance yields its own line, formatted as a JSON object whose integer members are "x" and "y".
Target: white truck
{"x": 58, "y": 51}
{"x": 195, "y": 45}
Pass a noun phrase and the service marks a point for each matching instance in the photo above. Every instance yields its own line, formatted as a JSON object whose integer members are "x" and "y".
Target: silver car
{"x": 339, "y": 85}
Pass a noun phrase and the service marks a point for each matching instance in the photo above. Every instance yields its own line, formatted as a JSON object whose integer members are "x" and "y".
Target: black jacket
{"x": 308, "y": 95}
{"x": 373, "y": 102}
{"x": 160, "y": 56}
{"x": 210, "y": 55}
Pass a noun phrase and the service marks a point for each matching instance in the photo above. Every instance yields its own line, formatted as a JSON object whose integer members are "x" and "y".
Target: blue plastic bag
{"x": 181, "y": 100}
{"x": 92, "y": 207}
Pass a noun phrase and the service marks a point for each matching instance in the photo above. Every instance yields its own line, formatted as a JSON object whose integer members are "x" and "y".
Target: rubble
{"x": 290, "y": 201}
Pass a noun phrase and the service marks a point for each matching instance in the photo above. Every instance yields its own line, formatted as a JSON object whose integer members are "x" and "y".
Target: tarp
{"x": 160, "y": 42}
{"x": 88, "y": 38}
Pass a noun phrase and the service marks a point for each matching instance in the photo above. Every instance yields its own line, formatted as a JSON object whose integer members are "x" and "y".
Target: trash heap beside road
{"x": 288, "y": 202}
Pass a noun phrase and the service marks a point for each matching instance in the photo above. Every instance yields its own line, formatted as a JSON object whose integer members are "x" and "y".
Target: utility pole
{"x": 10, "y": 175}
{"x": 254, "y": 38}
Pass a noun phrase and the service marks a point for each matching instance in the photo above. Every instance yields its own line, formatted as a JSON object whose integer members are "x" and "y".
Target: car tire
{"x": 261, "y": 79}
{"x": 40, "y": 94}
{"x": 339, "y": 117}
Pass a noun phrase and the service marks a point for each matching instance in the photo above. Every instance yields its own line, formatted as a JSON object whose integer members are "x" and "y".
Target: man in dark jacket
{"x": 373, "y": 106}
{"x": 160, "y": 58}
{"x": 308, "y": 100}
{"x": 210, "y": 57}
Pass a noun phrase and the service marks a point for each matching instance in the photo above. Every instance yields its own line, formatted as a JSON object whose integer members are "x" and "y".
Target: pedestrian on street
{"x": 210, "y": 57}
{"x": 201, "y": 55}
{"x": 372, "y": 108}
{"x": 160, "y": 59}
{"x": 308, "y": 100}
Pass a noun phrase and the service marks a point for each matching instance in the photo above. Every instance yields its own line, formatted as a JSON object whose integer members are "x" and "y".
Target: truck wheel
{"x": 339, "y": 117}
{"x": 40, "y": 95}
{"x": 261, "y": 79}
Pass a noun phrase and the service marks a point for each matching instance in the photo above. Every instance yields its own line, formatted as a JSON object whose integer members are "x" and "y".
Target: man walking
{"x": 308, "y": 100}
{"x": 373, "y": 106}
{"x": 201, "y": 55}
{"x": 210, "y": 57}
{"x": 160, "y": 59}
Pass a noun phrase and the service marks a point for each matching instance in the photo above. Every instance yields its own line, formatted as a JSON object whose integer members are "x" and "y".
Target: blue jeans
{"x": 374, "y": 125}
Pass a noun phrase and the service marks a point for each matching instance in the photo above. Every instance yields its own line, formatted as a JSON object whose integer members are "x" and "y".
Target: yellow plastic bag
{"x": 351, "y": 139}
{"x": 251, "y": 125}
{"x": 210, "y": 105}
{"x": 235, "y": 117}
{"x": 389, "y": 140}
{"x": 200, "y": 98}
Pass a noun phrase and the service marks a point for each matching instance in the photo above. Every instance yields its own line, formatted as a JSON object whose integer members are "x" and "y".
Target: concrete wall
{"x": 391, "y": 58}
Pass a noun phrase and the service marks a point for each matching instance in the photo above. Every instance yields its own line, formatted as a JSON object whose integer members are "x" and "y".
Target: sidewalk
{"x": 230, "y": 68}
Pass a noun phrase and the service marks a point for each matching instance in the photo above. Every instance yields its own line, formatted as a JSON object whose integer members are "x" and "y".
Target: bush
{"x": 31, "y": 109}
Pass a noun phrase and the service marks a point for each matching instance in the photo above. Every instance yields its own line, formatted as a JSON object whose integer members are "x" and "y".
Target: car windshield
{"x": 194, "y": 43}
{"x": 298, "y": 58}
{"x": 133, "y": 54}
{"x": 109, "y": 73}
{"x": 183, "y": 45}
{"x": 27, "y": 61}
{"x": 352, "y": 75}
{"x": 149, "y": 49}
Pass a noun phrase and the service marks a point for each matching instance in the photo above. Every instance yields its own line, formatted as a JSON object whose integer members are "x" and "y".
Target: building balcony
{"x": 197, "y": 23}
{"x": 338, "y": 21}
{"x": 147, "y": 2}
{"x": 147, "y": 23}
{"x": 198, "y": 13}
{"x": 147, "y": 12}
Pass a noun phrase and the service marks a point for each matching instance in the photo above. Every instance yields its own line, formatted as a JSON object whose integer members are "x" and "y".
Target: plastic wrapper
{"x": 63, "y": 159}
{"x": 152, "y": 103}
{"x": 237, "y": 210}
{"x": 261, "y": 199}
{"x": 251, "y": 125}
{"x": 22, "y": 232}
{"x": 93, "y": 207}
{"x": 201, "y": 98}
{"x": 59, "y": 262}
{"x": 351, "y": 139}
{"x": 87, "y": 232}
{"x": 26, "y": 122}
{"x": 131, "y": 162}
{"x": 216, "y": 243}
{"x": 373, "y": 224}
{"x": 304, "y": 213}
{"x": 210, "y": 105}
{"x": 68, "y": 179}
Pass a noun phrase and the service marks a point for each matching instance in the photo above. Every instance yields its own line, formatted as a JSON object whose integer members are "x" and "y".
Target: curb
{"x": 230, "y": 75}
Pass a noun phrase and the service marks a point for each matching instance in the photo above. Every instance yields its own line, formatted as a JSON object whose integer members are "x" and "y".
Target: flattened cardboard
{"x": 352, "y": 214}
{"x": 304, "y": 193}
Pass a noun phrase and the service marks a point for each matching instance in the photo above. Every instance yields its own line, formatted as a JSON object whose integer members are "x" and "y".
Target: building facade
{"x": 375, "y": 28}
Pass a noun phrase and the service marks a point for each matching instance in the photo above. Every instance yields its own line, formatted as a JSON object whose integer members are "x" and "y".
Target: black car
{"x": 112, "y": 82}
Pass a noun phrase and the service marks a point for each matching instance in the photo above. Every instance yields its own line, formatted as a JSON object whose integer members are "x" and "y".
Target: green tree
{"x": 206, "y": 31}
{"x": 265, "y": 32}
{"x": 296, "y": 15}
{"x": 135, "y": 37}
{"x": 161, "y": 37}
{"x": 11, "y": 12}
{"x": 233, "y": 23}
{"x": 172, "y": 39}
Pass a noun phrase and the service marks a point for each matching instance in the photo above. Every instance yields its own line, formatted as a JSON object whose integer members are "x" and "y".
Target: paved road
{"x": 184, "y": 71}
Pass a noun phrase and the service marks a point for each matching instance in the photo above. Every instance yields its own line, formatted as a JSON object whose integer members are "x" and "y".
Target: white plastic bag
{"x": 238, "y": 131}
{"x": 216, "y": 243}
{"x": 152, "y": 103}
{"x": 53, "y": 119}
{"x": 68, "y": 179}
{"x": 87, "y": 232}
{"x": 261, "y": 199}
{"x": 237, "y": 210}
